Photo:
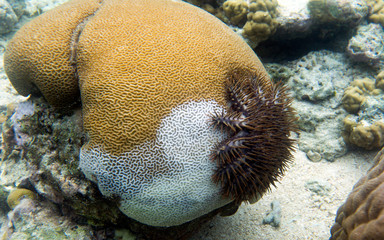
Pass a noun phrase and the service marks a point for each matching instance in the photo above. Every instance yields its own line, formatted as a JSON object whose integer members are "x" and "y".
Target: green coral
{"x": 339, "y": 13}
{"x": 322, "y": 10}
{"x": 18, "y": 194}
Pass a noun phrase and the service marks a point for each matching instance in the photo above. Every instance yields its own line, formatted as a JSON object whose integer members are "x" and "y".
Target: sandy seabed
{"x": 305, "y": 214}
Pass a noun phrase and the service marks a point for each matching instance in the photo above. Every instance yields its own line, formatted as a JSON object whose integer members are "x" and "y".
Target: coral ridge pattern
{"x": 362, "y": 214}
{"x": 153, "y": 77}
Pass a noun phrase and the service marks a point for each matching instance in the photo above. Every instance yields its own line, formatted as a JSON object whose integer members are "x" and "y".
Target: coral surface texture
{"x": 179, "y": 114}
{"x": 362, "y": 214}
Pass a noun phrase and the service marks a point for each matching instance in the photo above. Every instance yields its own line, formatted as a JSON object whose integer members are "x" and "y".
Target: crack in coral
{"x": 76, "y": 37}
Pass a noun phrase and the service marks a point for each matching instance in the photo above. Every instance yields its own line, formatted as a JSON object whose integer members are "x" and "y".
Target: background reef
{"x": 330, "y": 53}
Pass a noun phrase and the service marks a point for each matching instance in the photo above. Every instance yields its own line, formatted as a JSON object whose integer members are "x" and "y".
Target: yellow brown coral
{"x": 362, "y": 214}
{"x": 358, "y": 130}
{"x": 354, "y": 95}
{"x": 236, "y": 11}
{"x": 103, "y": 57}
{"x": 47, "y": 53}
{"x": 261, "y": 20}
{"x": 352, "y": 99}
{"x": 17, "y": 195}
{"x": 195, "y": 75}
{"x": 150, "y": 78}
{"x": 361, "y": 134}
{"x": 380, "y": 81}
{"x": 377, "y": 11}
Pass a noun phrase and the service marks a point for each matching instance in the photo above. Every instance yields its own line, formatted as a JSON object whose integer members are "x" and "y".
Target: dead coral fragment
{"x": 361, "y": 216}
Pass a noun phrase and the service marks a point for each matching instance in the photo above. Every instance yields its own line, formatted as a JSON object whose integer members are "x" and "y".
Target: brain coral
{"x": 362, "y": 214}
{"x": 151, "y": 74}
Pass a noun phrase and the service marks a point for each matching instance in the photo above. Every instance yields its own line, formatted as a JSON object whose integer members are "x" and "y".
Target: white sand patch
{"x": 305, "y": 215}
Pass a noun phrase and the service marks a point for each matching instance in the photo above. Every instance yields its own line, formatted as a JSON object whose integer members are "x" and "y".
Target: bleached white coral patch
{"x": 166, "y": 181}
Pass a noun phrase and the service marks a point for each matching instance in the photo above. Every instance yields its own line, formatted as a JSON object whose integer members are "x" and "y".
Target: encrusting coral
{"x": 16, "y": 195}
{"x": 361, "y": 216}
{"x": 338, "y": 13}
{"x": 321, "y": 10}
{"x": 148, "y": 91}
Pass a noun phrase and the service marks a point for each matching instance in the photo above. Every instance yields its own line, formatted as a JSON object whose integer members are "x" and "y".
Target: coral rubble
{"x": 367, "y": 44}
